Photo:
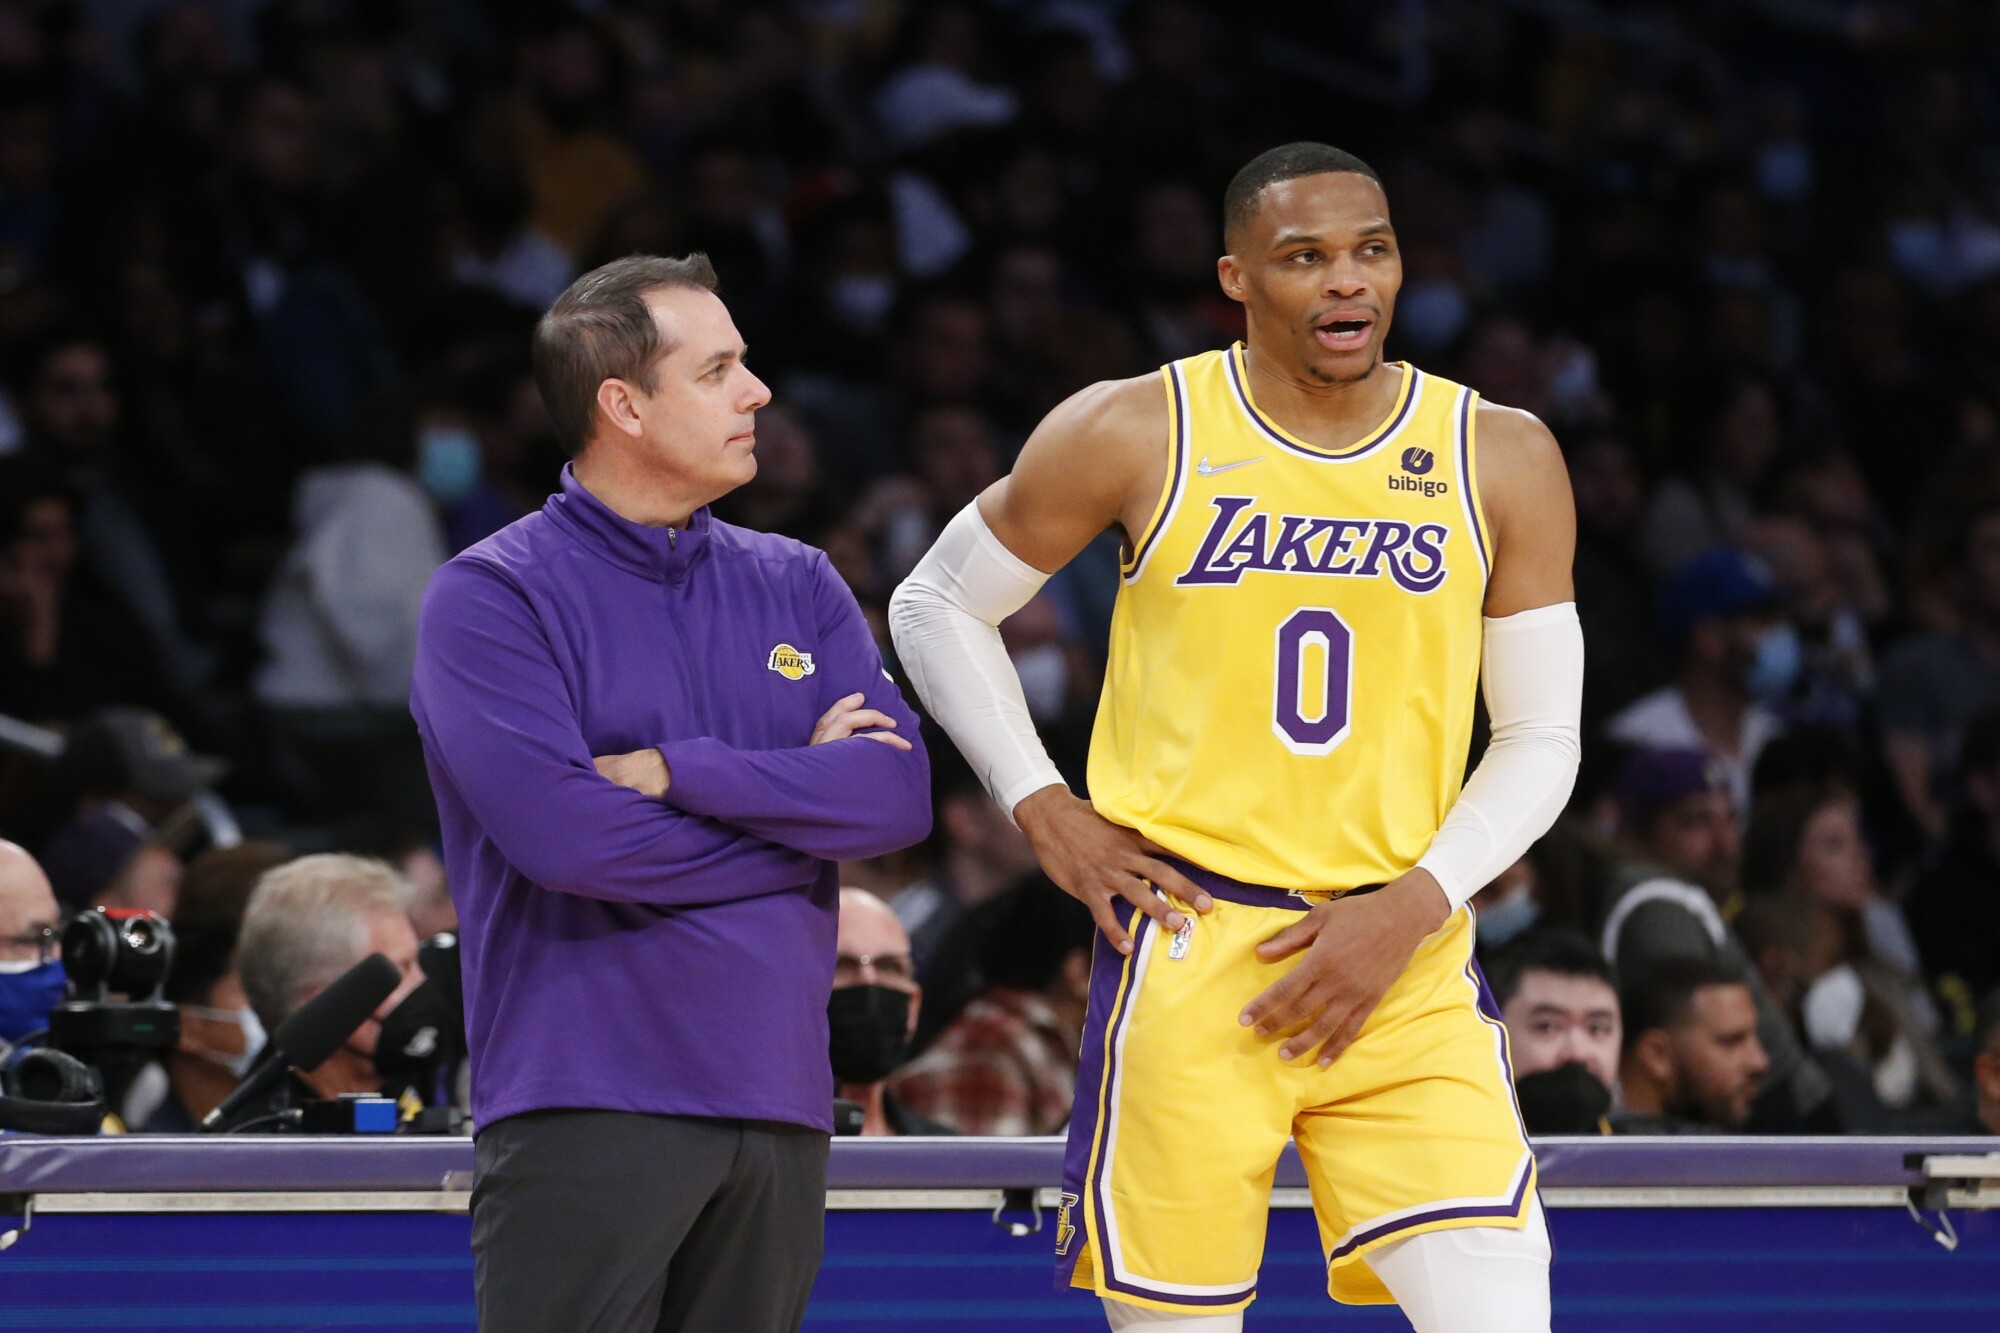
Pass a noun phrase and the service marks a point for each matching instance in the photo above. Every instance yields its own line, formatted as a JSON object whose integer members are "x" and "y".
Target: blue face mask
{"x": 1775, "y": 669}
{"x": 28, "y": 996}
{"x": 449, "y": 463}
{"x": 1506, "y": 919}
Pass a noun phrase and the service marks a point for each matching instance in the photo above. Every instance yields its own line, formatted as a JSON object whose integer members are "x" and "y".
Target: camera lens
{"x": 147, "y": 949}
{"x": 90, "y": 947}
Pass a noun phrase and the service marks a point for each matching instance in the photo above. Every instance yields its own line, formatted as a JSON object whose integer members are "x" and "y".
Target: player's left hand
{"x": 1355, "y": 949}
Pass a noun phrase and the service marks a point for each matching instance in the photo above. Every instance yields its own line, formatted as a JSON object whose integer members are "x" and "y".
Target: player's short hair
{"x": 1661, "y": 995}
{"x": 1287, "y": 162}
{"x": 1563, "y": 953}
{"x": 600, "y": 329}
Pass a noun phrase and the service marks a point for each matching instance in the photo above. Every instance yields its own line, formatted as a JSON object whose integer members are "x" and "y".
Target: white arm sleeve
{"x": 945, "y": 619}
{"x": 1534, "y": 696}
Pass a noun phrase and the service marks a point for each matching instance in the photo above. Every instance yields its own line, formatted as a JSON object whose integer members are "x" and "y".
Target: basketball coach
{"x": 651, "y": 734}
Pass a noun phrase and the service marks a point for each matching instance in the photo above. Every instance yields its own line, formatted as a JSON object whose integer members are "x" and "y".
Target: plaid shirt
{"x": 1007, "y": 1065}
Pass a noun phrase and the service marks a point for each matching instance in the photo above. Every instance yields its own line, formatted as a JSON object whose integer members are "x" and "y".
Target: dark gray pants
{"x": 615, "y": 1222}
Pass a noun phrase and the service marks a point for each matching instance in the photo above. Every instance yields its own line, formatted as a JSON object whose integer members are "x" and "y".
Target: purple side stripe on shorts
{"x": 1510, "y": 1209}
{"x": 1107, "y": 969}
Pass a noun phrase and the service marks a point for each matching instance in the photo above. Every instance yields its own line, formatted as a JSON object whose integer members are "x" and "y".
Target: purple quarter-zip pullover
{"x": 670, "y": 956}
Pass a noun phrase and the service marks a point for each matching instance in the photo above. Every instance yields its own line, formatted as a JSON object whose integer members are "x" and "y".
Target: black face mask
{"x": 1568, "y": 1099}
{"x": 414, "y": 1038}
{"x": 867, "y": 1027}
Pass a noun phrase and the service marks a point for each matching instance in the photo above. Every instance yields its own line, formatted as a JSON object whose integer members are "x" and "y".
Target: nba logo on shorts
{"x": 790, "y": 663}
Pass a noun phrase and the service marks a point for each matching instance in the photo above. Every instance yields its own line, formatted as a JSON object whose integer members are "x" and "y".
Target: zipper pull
{"x": 673, "y": 538}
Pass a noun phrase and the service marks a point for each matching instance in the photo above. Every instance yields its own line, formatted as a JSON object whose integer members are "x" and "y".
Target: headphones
{"x": 50, "y": 1092}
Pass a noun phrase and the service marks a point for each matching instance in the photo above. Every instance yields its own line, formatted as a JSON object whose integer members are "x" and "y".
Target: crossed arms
{"x": 501, "y": 723}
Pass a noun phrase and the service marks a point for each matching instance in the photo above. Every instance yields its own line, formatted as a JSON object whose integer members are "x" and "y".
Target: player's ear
{"x": 1230, "y": 274}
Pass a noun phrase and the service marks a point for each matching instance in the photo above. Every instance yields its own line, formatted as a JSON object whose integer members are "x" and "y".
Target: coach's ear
{"x": 1230, "y": 276}
{"x": 615, "y": 404}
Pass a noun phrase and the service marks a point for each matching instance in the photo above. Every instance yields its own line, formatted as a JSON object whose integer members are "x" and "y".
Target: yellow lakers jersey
{"x": 1295, "y": 648}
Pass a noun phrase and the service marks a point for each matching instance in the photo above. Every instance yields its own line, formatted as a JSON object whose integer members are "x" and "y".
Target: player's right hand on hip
{"x": 1097, "y": 862}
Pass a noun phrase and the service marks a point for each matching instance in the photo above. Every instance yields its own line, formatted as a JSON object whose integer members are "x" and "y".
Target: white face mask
{"x": 253, "y": 1036}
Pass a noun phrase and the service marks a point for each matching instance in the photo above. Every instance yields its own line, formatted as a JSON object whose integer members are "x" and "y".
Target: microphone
{"x": 315, "y": 1032}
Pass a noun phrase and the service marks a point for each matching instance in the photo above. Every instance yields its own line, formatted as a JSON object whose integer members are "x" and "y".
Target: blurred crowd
{"x": 268, "y": 272}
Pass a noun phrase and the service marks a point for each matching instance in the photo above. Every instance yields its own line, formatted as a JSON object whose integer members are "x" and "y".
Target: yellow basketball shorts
{"x": 1181, "y": 1113}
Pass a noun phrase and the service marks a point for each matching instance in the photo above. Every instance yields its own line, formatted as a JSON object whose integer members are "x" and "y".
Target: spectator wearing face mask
{"x": 31, "y": 973}
{"x": 1507, "y": 908}
{"x": 1691, "y": 1062}
{"x": 1670, "y": 898}
{"x": 1559, "y": 1000}
{"x": 872, "y": 1013}
{"x": 309, "y": 921}
{"x": 1737, "y": 660}
{"x": 221, "y": 1035}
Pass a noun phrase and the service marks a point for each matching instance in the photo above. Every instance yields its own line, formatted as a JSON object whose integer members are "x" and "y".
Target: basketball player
{"x": 1324, "y": 551}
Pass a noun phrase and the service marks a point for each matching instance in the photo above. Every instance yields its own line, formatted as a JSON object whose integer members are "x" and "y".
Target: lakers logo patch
{"x": 790, "y": 663}
{"x": 1065, "y": 1229}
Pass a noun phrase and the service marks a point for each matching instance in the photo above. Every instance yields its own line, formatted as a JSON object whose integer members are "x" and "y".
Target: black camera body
{"x": 115, "y": 1019}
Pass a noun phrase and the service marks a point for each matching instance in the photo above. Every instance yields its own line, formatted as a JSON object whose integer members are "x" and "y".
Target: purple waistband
{"x": 1261, "y": 895}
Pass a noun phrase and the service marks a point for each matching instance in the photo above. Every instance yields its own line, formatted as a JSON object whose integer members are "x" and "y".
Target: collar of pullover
{"x": 662, "y": 554}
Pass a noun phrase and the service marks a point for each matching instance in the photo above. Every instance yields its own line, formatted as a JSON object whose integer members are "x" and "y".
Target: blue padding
{"x": 1618, "y": 1270}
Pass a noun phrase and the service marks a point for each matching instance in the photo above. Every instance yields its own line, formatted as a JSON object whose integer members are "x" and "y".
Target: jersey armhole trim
{"x": 1468, "y": 469}
{"x": 1179, "y": 433}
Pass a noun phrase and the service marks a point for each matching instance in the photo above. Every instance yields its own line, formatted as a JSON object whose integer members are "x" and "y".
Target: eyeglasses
{"x": 891, "y": 967}
{"x": 40, "y": 936}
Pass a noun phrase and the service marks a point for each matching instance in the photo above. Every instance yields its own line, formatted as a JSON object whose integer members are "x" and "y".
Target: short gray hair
{"x": 307, "y": 923}
{"x": 600, "y": 329}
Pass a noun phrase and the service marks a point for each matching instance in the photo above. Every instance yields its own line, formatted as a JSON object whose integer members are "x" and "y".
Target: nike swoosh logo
{"x": 1208, "y": 469}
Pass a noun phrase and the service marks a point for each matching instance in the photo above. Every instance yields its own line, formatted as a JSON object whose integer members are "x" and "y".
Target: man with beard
{"x": 1667, "y": 903}
{"x": 1692, "y": 1062}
